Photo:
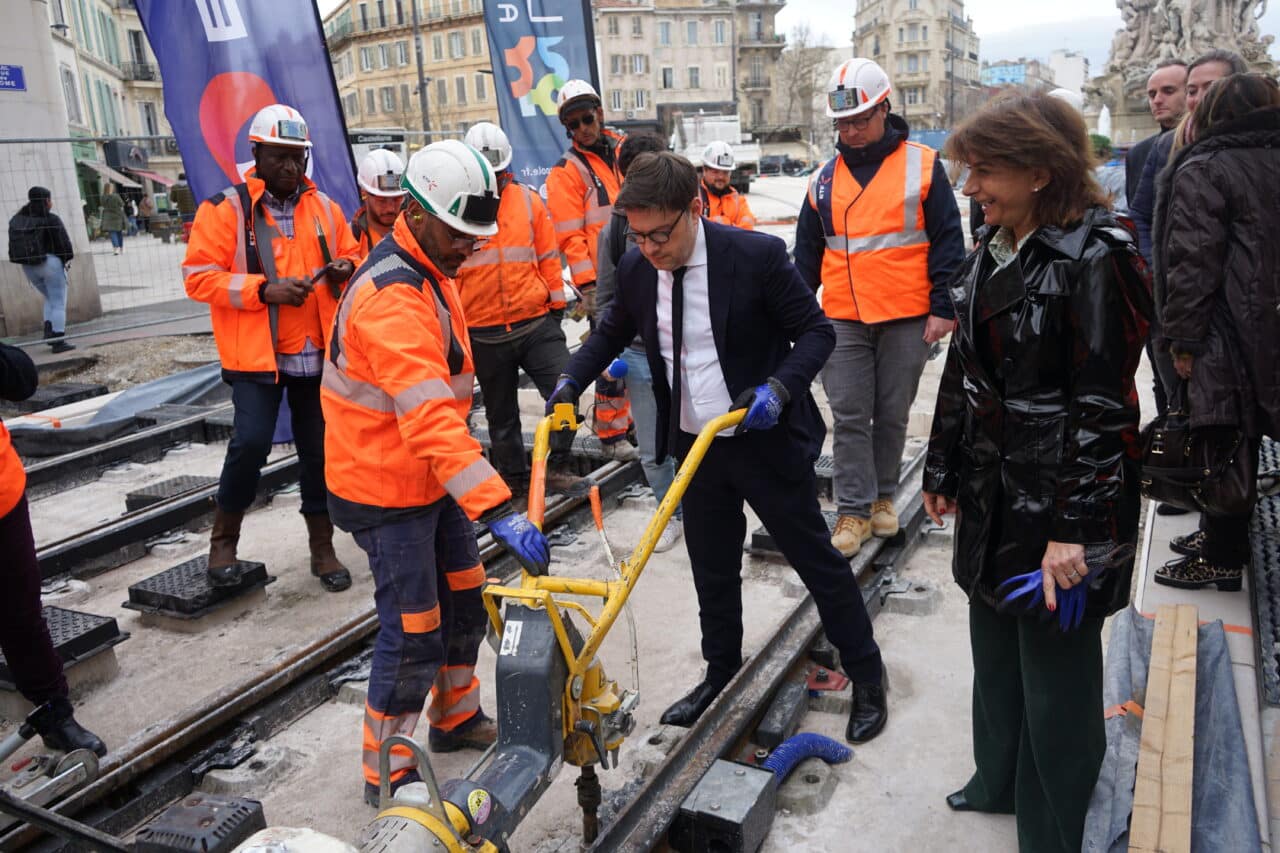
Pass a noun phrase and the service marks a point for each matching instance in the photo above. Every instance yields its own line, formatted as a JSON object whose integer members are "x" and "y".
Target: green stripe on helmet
{"x": 417, "y": 196}
{"x": 485, "y": 168}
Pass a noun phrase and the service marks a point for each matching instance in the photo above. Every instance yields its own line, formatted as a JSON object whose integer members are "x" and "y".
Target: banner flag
{"x": 537, "y": 46}
{"x": 222, "y": 61}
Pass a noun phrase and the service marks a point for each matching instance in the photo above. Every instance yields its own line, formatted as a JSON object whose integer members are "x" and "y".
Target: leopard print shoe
{"x": 1189, "y": 545}
{"x": 1197, "y": 573}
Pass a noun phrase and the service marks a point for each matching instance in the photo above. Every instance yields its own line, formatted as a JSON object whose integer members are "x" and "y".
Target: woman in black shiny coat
{"x": 1035, "y": 448}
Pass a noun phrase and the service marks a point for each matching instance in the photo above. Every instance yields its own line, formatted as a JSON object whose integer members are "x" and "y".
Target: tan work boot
{"x": 884, "y": 521}
{"x": 324, "y": 562}
{"x": 479, "y": 732}
{"x": 224, "y": 537}
{"x": 851, "y": 531}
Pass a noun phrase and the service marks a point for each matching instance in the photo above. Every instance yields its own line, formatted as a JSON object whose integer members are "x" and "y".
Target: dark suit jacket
{"x": 1133, "y": 163}
{"x": 765, "y": 320}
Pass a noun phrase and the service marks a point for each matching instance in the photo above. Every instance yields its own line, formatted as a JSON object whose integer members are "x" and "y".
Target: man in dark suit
{"x": 728, "y": 324}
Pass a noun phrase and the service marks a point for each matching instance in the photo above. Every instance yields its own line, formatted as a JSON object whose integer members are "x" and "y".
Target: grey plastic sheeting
{"x": 190, "y": 387}
{"x": 1223, "y": 816}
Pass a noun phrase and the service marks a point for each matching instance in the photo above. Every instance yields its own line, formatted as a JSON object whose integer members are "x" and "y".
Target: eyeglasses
{"x": 856, "y": 122}
{"x": 657, "y": 237}
{"x": 586, "y": 120}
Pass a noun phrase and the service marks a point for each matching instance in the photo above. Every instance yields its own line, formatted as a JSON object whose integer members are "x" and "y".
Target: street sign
{"x": 12, "y": 79}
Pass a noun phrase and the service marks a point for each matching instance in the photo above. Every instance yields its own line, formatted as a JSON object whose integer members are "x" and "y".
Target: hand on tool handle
{"x": 764, "y": 405}
{"x": 520, "y": 536}
{"x": 566, "y": 391}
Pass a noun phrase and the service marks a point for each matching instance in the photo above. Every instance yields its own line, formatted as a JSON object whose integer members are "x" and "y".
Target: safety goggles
{"x": 585, "y": 120}
{"x": 388, "y": 182}
{"x": 493, "y": 155}
{"x": 845, "y": 99}
{"x": 288, "y": 128}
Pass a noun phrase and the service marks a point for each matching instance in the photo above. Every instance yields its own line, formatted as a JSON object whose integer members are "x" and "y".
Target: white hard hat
{"x": 454, "y": 183}
{"x": 857, "y": 86}
{"x": 381, "y": 172}
{"x": 281, "y": 125}
{"x": 489, "y": 140}
{"x": 1075, "y": 99}
{"x": 576, "y": 91}
{"x": 718, "y": 155}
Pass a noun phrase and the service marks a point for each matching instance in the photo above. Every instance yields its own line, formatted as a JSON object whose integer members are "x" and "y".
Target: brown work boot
{"x": 223, "y": 539}
{"x": 324, "y": 562}
{"x": 479, "y": 732}
{"x": 884, "y": 521}
{"x": 851, "y": 531}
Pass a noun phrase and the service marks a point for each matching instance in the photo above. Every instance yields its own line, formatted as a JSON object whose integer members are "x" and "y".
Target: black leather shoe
{"x": 687, "y": 711}
{"x": 59, "y": 730}
{"x": 869, "y": 713}
{"x": 226, "y": 575}
{"x": 957, "y": 803}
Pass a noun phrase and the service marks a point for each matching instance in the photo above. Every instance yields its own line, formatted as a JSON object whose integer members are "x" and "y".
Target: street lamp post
{"x": 422, "y": 78}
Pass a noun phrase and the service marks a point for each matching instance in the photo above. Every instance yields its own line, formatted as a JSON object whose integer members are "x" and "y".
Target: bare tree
{"x": 802, "y": 77}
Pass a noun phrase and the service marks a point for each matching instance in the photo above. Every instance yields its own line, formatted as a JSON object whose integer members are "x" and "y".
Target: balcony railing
{"x": 763, "y": 39}
{"x": 140, "y": 71}
{"x": 760, "y": 81}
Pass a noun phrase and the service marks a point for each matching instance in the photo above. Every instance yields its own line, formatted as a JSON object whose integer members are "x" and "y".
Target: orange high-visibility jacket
{"x": 396, "y": 391}
{"x": 728, "y": 209}
{"x": 581, "y": 189}
{"x": 13, "y": 477}
{"x": 876, "y": 264}
{"x": 514, "y": 275}
{"x": 365, "y": 238}
{"x": 223, "y": 268}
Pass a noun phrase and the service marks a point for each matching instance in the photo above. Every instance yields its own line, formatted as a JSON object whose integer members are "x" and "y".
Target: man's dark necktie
{"x": 677, "y": 343}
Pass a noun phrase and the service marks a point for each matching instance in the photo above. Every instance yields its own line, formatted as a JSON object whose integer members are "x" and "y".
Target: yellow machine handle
{"x": 563, "y": 416}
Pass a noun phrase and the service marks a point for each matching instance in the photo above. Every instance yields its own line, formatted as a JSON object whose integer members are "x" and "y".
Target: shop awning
{"x": 159, "y": 179}
{"x": 111, "y": 174}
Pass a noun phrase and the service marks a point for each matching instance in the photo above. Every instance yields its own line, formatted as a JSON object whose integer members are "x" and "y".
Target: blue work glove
{"x": 1026, "y": 592}
{"x": 566, "y": 391}
{"x": 764, "y": 405}
{"x": 520, "y": 536}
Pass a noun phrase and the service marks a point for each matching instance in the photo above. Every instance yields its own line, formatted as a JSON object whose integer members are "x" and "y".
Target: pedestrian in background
{"x": 1218, "y": 276}
{"x": 183, "y": 199}
{"x": 39, "y": 242}
{"x": 146, "y": 210}
{"x": 1034, "y": 446}
{"x": 114, "y": 220}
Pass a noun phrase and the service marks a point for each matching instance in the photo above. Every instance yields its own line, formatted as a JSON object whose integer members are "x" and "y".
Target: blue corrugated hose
{"x": 805, "y": 745}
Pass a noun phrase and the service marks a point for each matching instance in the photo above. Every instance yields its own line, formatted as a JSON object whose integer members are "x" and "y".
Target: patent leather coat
{"x": 1035, "y": 433}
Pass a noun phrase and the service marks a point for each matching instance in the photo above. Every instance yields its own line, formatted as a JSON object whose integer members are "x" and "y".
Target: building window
{"x": 695, "y": 77}
{"x": 406, "y": 98}
{"x": 875, "y": 46}
{"x": 442, "y": 91}
{"x": 435, "y": 8}
{"x": 70, "y": 95}
{"x": 366, "y": 59}
{"x": 722, "y": 76}
{"x": 913, "y": 63}
{"x": 388, "y": 99}
{"x": 757, "y": 67}
{"x": 147, "y": 113}
{"x": 437, "y": 47}
{"x": 640, "y": 63}
{"x": 913, "y": 95}
{"x": 637, "y": 26}
{"x": 57, "y": 16}
{"x": 364, "y": 16}
{"x": 384, "y": 56}
{"x": 913, "y": 32}
{"x": 382, "y": 13}
{"x": 757, "y": 113}
{"x": 615, "y": 100}
{"x": 900, "y": 35}
{"x": 612, "y": 26}
{"x": 755, "y": 26}
{"x": 460, "y": 86}
{"x": 477, "y": 42}
{"x": 668, "y": 78}
{"x": 691, "y": 32}
{"x": 924, "y": 32}
{"x": 370, "y": 102}
{"x": 400, "y": 10}
{"x": 721, "y": 32}
{"x": 640, "y": 98}
{"x": 913, "y": 4}
{"x": 664, "y": 33}
{"x": 351, "y": 105}
{"x": 457, "y": 46}
{"x": 615, "y": 64}
{"x": 402, "y": 52}
{"x": 482, "y": 89}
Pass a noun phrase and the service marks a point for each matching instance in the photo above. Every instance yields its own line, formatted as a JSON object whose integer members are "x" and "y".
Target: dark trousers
{"x": 714, "y": 530}
{"x": 256, "y": 406}
{"x": 542, "y": 354}
{"x": 1226, "y": 540}
{"x": 1038, "y": 737}
{"x": 24, "y": 636}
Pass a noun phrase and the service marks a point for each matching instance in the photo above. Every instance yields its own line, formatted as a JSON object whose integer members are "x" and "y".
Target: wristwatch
{"x": 262, "y": 292}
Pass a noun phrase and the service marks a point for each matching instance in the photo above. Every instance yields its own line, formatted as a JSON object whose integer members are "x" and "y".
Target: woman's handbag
{"x": 1205, "y": 469}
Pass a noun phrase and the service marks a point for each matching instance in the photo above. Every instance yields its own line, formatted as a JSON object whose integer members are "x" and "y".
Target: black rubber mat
{"x": 164, "y": 490}
{"x": 184, "y": 591}
{"x": 1265, "y": 539}
{"x": 76, "y": 637}
{"x": 57, "y": 394}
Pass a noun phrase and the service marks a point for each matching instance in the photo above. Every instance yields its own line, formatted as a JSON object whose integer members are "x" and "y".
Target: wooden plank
{"x": 1144, "y": 827}
{"x": 1179, "y": 737}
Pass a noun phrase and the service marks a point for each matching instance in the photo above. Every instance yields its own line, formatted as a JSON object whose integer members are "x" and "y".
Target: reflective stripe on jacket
{"x": 580, "y": 198}
{"x": 514, "y": 275}
{"x": 876, "y": 264}
{"x": 13, "y": 477}
{"x": 728, "y": 209}
{"x": 396, "y": 391}
{"x": 223, "y": 268}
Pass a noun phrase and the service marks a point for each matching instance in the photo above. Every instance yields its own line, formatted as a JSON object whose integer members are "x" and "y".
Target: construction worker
{"x": 379, "y": 179}
{"x": 271, "y": 311}
{"x": 406, "y": 478}
{"x": 720, "y": 201}
{"x": 513, "y": 298}
{"x": 581, "y": 188}
{"x": 881, "y": 234}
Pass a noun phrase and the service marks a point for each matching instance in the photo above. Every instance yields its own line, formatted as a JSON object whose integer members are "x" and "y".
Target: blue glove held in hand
{"x": 1026, "y": 592}
{"x": 764, "y": 405}
{"x": 566, "y": 391}
{"x": 521, "y": 538}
